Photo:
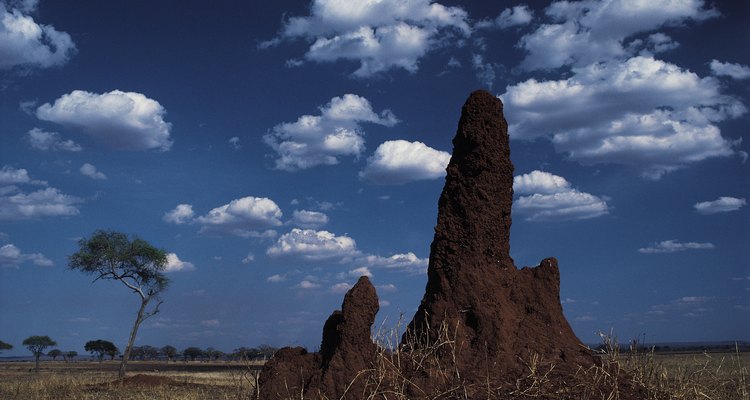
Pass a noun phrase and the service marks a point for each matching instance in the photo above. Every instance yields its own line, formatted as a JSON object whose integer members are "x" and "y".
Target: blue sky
{"x": 280, "y": 150}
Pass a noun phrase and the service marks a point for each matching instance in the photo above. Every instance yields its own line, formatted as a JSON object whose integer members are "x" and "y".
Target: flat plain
{"x": 714, "y": 376}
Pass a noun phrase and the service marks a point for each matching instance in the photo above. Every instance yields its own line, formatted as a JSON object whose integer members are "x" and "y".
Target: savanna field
{"x": 715, "y": 376}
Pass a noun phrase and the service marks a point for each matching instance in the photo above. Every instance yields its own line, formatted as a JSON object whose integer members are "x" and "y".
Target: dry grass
{"x": 91, "y": 380}
{"x": 679, "y": 377}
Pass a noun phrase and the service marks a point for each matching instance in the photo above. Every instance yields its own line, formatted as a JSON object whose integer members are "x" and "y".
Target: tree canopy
{"x": 111, "y": 255}
{"x": 100, "y": 348}
{"x": 5, "y": 346}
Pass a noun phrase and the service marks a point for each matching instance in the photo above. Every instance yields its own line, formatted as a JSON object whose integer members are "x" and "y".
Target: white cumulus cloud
{"x": 312, "y": 245}
{"x": 16, "y": 204}
{"x": 26, "y": 43}
{"x": 247, "y": 217}
{"x": 407, "y": 262}
{"x": 174, "y": 264}
{"x": 551, "y": 197}
{"x": 673, "y": 246}
{"x": 399, "y": 161}
{"x": 91, "y": 171}
{"x": 379, "y": 35}
{"x": 309, "y": 219}
{"x": 644, "y": 113}
{"x": 121, "y": 120}
{"x": 10, "y": 175}
{"x": 42, "y": 140}
{"x": 581, "y": 33}
{"x": 510, "y": 17}
{"x": 322, "y": 139}
{"x": 722, "y": 204}
{"x": 11, "y": 256}
{"x": 181, "y": 214}
{"x": 736, "y": 71}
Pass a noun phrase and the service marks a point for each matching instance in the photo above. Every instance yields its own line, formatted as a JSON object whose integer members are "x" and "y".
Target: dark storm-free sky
{"x": 279, "y": 150}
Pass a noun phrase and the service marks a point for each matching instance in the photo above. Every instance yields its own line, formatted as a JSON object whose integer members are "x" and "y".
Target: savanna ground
{"x": 706, "y": 376}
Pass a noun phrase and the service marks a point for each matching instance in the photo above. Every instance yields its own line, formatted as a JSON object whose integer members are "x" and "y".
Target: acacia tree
{"x": 101, "y": 347}
{"x": 134, "y": 262}
{"x": 169, "y": 351}
{"x": 36, "y": 345}
{"x": 5, "y": 346}
{"x": 70, "y": 355}
{"x": 54, "y": 354}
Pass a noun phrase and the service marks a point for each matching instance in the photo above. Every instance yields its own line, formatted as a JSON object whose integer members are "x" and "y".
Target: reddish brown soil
{"x": 484, "y": 328}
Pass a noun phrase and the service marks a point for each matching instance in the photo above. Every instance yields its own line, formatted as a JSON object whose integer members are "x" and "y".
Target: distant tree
{"x": 70, "y": 355}
{"x": 100, "y": 348}
{"x": 135, "y": 263}
{"x": 5, "y": 346}
{"x": 192, "y": 353}
{"x": 54, "y": 354}
{"x": 37, "y": 345}
{"x": 213, "y": 354}
{"x": 169, "y": 351}
{"x": 266, "y": 351}
{"x": 149, "y": 352}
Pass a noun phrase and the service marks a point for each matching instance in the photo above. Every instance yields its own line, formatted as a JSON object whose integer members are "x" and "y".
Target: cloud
{"x": 41, "y": 140}
{"x": 551, "y": 197}
{"x": 398, "y": 161}
{"x": 181, "y": 214}
{"x": 276, "y": 278}
{"x": 211, "y": 323}
{"x": 49, "y": 202}
{"x": 90, "y": 171}
{"x": 380, "y": 35}
{"x": 386, "y": 288}
{"x": 312, "y": 245}
{"x": 361, "y": 271}
{"x": 235, "y": 142}
{"x": 249, "y": 217}
{"x": 249, "y": 258}
{"x": 722, "y": 204}
{"x": 11, "y": 256}
{"x": 308, "y": 219}
{"x": 408, "y": 262}
{"x": 735, "y": 71}
{"x": 26, "y": 43}
{"x": 322, "y": 139}
{"x": 687, "y": 306}
{"x": 585, "y": 32}
{"x": 673, "y": 246}
{"x": 644, "y": 113}
{"x": 342, "y": 287}
{"x": 508, "y": 18}
{"x": 305, "y": 284}
{"x": 174, "y": 264}
{"x": 10, "y": 175}
{"x": 120, "y": 120}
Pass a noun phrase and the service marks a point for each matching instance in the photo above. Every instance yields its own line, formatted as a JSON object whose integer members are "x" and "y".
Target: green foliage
{"x": 101, "y": 347}
{"x": 5, "y": 346}
{"x": 71, "y": 354}
{"x": 54, "y": 354}
{"x": 169, "y": 351}
{"x": 192, "y": 353}
{"x": 112, "y": 255}
{"x": 37, "y": 344}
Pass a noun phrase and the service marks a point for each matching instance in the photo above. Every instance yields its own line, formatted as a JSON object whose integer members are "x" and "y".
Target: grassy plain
{"x": 714, "y": 376}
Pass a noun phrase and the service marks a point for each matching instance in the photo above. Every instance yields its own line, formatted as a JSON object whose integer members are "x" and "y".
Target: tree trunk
{"x": 138, "y": 320}
{"x": 36, "y": 364}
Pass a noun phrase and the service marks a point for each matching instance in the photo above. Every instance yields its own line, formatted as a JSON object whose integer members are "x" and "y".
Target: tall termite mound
{"x": 482, "y": 321}
{"x": 498, "y": 316}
